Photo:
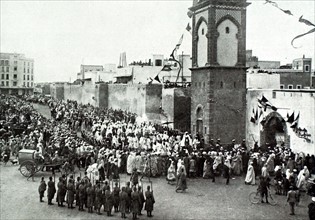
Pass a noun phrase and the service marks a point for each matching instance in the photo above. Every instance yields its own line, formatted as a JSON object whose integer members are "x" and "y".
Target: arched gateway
{"x": 274, "y": 130}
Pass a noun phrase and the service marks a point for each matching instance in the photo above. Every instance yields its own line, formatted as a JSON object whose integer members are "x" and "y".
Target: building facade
{"x": 16, "y": 74}
{"x": 219, "y": 69}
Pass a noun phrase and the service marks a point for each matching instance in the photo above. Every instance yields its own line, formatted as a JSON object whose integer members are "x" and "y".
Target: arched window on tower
{"x": 221, "y": 85}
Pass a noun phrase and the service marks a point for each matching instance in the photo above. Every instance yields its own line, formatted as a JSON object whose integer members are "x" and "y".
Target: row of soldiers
{"x": 95, "y": 196}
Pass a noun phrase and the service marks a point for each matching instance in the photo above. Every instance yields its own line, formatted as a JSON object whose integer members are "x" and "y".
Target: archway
{"x": 274, "y": 131}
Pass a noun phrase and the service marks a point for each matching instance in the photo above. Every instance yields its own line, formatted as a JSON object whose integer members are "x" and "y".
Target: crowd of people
{"x": 122, "y": 142}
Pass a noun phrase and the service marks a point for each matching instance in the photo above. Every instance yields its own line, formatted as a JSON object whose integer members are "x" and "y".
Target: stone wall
{"x": 176, "y": 107}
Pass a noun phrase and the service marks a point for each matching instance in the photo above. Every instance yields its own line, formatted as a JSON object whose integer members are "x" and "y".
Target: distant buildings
{"x": 17, "y": 74}
{"x": 253, "y": 62}
{"x": 270, "y": 75}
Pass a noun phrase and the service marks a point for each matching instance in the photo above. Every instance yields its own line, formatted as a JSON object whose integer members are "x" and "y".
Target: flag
{"x": 190, "y": 14}
{"x": 157, "y": 78}
{"x": 294, "y": 125}
{"x": 291, "y": 118}
{"x": 307, "y": 22}
{"x": 256, "y": 115}
{"x": 286, "y": 11}
{"x": 272, "y": 3}
{"x": 274, "y": 108}
{"x": 180, "y": 42}
{"x": 301, "y": 35}
{"x": 252, "y": 120}
{"x": 188, "y": 28}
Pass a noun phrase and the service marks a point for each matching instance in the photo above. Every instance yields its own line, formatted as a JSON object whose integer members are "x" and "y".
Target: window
{"x": 274, "y": 95}
{"x": 221, "y": 84}
{"x": 28, "y": 70}
{"x": 194, "y": 127}
{"x": 2, "y": 62}
{"x": 24, "y": 84}
{"x": 15, "y": 63}
{"x": 175, "y": 64}
{"x": 28, "y": 84}
{"x": 204, "y": 84}
{"x": 7, "y": 83}
{"x": 298, "y": 86}
{"x": 290, "y": 86}
{"x": 28, "y": 64}
{"x": 234, "y": 84}
{"x": 24, "y": 77}
{"x": 281, "y": 86}
{"x": 202, "y": 31}
{"x": 7, "y": 62}
{"x": 7, "y": 76}
{"x": 31, "y": 84}
{"x": 24, "y": 63}
{"x": 307, "y": 68}
{"x": 158, "y": 62}
{"x": 205, "y": 130}
{"x": 28, "y": 77}
{"x": 15, "y": 68}
{"x": 14, "y": 76}
{"x": 227, "y": 30}
{"x": 14, "y": 83}
{"x": 32, "y": 77}
{"x": 8, "y": 69}
{"x": 24, "y": 70}
{"x": 2, "y": 76}
{"x": 199, "y": 84}
{"x": 2, "y": 83}
{"x": 2, "y": 69}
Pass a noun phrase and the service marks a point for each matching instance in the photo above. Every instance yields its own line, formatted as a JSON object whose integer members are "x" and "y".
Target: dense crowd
{"x": 118, "y": 142}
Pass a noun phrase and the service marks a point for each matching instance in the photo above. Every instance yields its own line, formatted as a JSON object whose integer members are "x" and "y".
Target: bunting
{"x": 291, "y": 118}
{"x": 301, "y": 19}
{"x": 188, "y": 28}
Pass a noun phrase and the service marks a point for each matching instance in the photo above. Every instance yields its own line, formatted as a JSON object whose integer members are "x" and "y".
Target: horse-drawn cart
{"x": 30, "y": 165}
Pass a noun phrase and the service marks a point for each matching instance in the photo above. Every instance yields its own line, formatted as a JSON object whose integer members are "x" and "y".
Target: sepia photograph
{"x": 157, "y": 109}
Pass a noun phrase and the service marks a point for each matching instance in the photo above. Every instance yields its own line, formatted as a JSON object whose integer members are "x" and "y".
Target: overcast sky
{"x": 60, "y": 35}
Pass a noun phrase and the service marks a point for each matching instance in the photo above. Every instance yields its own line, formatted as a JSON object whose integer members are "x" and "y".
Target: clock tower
{"x": 219, "y": 69}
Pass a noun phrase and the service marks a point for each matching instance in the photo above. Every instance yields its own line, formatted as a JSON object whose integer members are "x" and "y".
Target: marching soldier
{"x": 51, "y": 190}
{"x": 42, "y": 189}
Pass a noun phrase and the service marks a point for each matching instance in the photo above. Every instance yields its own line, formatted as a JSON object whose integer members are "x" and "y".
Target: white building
{"x": 17, "y": 74}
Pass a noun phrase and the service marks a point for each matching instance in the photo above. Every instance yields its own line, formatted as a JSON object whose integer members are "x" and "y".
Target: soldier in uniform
{"x": 141, "y": 200}
{"x": 109, "y": 201}
{"x": 149, "y": 202}
{"x": 116, "y": 196}
{"x": 82, "y": 195}
{"x": 98, "y": 198}
{"x": 77, "y": 191}
{"x": 89, "y": 195}
{"x": 61, "y": 192}
{"x": 128, "y": 202}
{"x": 70, "y": 193}
{"x": 51, "y": 190}
{"x": 42, "y": 189}
{"x": 123, "y": 197}
{"x": 135, "y": 201}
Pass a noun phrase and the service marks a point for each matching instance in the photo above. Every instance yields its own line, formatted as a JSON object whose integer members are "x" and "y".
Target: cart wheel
{"x": 27, "y": 167}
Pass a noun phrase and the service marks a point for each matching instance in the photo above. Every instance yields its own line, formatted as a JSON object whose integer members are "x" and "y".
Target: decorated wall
{"x": 295, "y": 110}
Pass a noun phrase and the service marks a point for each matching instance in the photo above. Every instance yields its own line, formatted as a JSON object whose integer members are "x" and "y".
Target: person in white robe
{"x": 250, "y": 175}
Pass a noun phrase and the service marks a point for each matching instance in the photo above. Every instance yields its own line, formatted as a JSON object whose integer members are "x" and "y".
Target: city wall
{"x": 144, "y": 100}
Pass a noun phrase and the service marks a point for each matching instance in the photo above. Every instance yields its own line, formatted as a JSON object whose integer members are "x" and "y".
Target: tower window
{"x": 234, "y": 84}
{"x": 221, "y": 84}
{"x": 202, "y": 31}
{"x": 227, "y": 30}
